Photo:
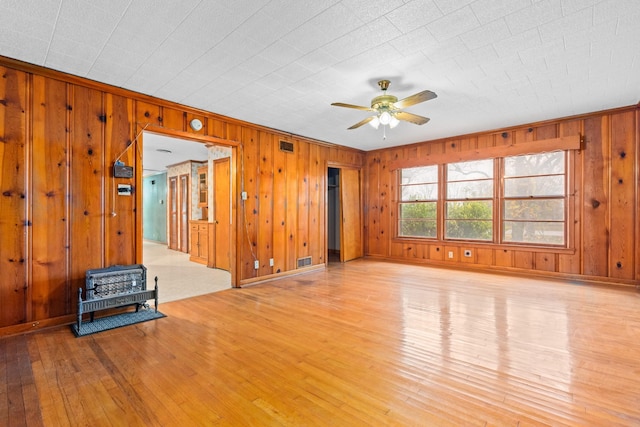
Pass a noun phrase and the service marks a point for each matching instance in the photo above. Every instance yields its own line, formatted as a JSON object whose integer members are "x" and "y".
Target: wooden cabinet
{"x": 202, "y": 186}
{"x": 199, "y": 238}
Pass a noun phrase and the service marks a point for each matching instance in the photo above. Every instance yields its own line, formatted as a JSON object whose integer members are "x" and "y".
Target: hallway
{"x": 179, "y": 278}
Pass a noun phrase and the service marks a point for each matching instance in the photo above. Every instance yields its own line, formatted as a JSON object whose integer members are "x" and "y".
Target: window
{"x": 418, "y": 202}
{"x": 469, "y": 203}
{"x": 509, "y": 200}
{"x": 534, "y": 199}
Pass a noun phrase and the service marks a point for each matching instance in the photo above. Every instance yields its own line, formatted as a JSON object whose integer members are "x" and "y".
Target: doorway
{"x": 184, "y": 156}
{"x": 344, "y": 214}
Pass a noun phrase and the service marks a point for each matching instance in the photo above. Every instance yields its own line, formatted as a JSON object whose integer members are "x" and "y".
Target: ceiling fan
{"x": 388, "y": 110}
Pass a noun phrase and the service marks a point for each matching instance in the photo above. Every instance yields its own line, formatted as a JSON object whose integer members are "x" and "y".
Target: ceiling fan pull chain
{"x": 384, "y": 132}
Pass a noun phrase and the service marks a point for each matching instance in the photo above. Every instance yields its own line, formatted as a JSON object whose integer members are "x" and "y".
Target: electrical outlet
{"x": 271, "y": 262}
{"x": 256, "y": 264}
{"x": 450, "y": 254}
{"x": 467, "y": 253}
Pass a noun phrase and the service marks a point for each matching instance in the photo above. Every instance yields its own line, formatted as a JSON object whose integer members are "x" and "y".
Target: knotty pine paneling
{"x": 213, "y": 127}
{"x": 372, "y": 209}
{"x": 603, "y": 200}
{"x": 291, "y": 206}
{"x": 60, "y": 211}
{"x": 303, "y": 201}
{"x": 279, "y": 248}
{"x": 436, "y": 253}
{"x": 250, "y": 207}
{"x": 264, "y": 250}
{"x": 50, "y": 295}
{"x": 174, "y": 119}
{"x": 148, "y": 114}
{"x": 384, "y": 203}
{"x": 595, "y": 210}
{"x": 316, "y": 197}
{"x": 570, "y": 263}
{"x": 87, "y": 185}
{"x": 14, "y": 222}
{"x": 121, "y": 244}
{"x": 624, "y": 185}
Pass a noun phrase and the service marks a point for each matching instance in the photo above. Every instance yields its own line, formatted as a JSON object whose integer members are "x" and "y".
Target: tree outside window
{"x": 469, "y": 204}
{"x": 534, "y": 199}
{"x": 529, "y": 192}
{"x": 418, "y": 202}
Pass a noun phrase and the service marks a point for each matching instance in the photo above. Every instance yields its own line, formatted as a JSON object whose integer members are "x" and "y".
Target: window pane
{"x": 470, "y": 190}
{"x": 551, "y": 233}
{"x": 417, "y": 228}
{"x": 424, "y": 174}
{"x": 418, "y": 210}
{"x": 470, "y": 210}
{"x": 469, "y": 220}
{"x": 418, "y": 219}
{"x": 478, "y": 169}
{"x": 537, "y": 210}
{"x": 419, "y": 192}
{"x": 468, "y": 229}
{"x": 534, "y": 186}
{"x": 535, "y": 164}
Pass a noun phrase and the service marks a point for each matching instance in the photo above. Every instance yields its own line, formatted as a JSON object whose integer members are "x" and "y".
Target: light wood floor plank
{"x": 364, "y": 343}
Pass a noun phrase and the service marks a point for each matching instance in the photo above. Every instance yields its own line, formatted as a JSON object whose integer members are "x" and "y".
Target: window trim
{"x": 569, "y": 145}
{"x": 445, "y": 200}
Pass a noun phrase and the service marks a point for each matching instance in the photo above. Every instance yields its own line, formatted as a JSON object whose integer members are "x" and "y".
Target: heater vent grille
{"x": 287, "y": 147}
{"x": 304, "y": 262}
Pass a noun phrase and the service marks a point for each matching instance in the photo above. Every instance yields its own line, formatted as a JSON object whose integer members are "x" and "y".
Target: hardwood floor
{"x": 365, "y": 343}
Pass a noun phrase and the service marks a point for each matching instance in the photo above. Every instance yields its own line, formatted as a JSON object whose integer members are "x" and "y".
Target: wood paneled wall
{"x": 59, "y": 215}
{"x": 604, "y": 180}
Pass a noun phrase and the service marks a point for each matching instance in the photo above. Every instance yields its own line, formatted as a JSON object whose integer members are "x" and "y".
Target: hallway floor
{"x": 179, "y": 278}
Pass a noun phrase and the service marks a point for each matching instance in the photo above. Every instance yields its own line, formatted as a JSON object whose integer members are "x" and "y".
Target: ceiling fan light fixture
{"x": 393, "y": 122}
{"x": 385, "y": 118}
{"x": 375, "y": 122}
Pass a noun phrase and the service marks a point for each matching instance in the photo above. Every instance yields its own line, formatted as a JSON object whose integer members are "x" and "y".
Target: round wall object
{"x": 195, "y": 124}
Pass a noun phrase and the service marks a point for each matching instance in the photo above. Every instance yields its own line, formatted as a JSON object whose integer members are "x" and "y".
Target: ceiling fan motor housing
{"x": 383, "y": 102}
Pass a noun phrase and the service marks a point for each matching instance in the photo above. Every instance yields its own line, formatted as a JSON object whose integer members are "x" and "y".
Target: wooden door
{"x": 184, "y": 214}
{"x": 173, "y": 213}
{"x": 222, "y": 209}
{"x": 351, "y": 213}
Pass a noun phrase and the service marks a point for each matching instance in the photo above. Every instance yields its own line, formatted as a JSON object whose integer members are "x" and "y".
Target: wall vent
{"x": 304, "y": 262}
{"x": 286, "y": 146}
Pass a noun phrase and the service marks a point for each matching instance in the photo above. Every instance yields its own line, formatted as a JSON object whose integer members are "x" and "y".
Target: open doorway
{"x": 344, "y": 214}
{"x": 333, "y": 215}
{"x": 184, "y": 212}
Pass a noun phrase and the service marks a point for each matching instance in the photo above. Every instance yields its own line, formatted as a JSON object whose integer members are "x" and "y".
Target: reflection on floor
{"x": 179, "y": 278}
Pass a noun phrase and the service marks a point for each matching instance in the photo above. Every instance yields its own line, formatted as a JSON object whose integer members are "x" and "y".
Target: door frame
{"x": 212, "y": 140}
{"x": 341, "y": 167}
{"x": 173, "y": 217}
{"x": 184, "y": 211}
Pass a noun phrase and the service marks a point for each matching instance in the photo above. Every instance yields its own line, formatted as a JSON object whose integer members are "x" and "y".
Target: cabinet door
{"x": 193, "y": 239}
{"x": 202, "y": 186}
{"x": 203, "y": 241}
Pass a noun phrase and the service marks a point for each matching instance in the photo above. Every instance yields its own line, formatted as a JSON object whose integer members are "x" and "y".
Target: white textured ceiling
{"x": 493, "y": 63}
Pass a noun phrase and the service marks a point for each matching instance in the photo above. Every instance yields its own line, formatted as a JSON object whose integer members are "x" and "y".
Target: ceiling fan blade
{"x": 362, "y": 122}
{"x": 357, "y": 107}
{"x": 412, "y": 118}
{"x": 414, "y": 99}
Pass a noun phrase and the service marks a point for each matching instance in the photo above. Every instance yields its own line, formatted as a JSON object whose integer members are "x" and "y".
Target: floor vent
{"x": 286, "y": 146}
{"x": 304, "y": 262}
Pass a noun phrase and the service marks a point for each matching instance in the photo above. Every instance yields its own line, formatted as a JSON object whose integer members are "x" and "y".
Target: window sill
{"x": 481, "y": 245}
